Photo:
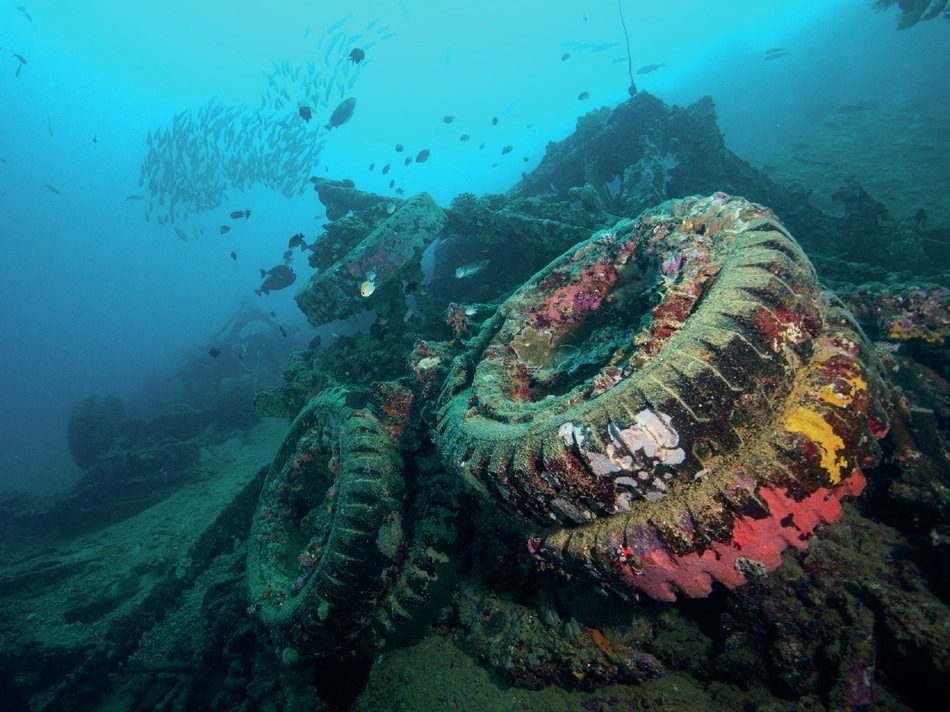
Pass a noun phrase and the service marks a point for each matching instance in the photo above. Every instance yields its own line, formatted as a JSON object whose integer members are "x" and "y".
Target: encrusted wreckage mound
{"x": 363, "y": 277}
{"x": 676, "y": 398}
{"x": 641, "y": 152}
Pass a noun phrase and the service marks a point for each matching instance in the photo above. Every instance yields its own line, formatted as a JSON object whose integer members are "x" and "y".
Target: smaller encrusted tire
{"x": 328, "y": 529}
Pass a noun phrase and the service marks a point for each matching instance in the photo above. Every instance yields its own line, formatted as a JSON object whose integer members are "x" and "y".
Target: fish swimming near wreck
{"x": 298, "y": 240}
{"x": 368, "y": 286}
{"x": 238, "y": 214}
{"x": 470, "y": 270}
{"x": 342, "y": 113}
{"x": 305, "y": 113}
{"x": 650, "y": 68}
{"x": 275, "y": 278}
{"x": 357, "y": 55}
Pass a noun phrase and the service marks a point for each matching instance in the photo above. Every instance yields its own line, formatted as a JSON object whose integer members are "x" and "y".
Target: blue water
{"x": 94, "y": 299}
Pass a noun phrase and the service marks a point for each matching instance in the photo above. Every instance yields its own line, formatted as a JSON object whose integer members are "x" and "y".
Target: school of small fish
{"x": 191, "y": 165}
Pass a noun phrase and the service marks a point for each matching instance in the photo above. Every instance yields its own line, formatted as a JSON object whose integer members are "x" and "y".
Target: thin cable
{"x": 632, "y": 89}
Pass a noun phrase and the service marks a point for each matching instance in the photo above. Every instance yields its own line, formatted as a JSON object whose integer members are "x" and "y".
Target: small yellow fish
{"x": 369, "y": 285}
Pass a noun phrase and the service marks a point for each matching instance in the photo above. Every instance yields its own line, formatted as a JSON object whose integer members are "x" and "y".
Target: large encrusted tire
{"x": 327, "y": 530}
{"x": 675, "y": 398}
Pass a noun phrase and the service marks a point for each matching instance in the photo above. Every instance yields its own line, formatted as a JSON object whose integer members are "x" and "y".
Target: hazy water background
{"x": 95, "y": 300}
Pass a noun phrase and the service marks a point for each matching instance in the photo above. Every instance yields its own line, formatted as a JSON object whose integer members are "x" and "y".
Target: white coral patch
{"x": 571, "y": 434}
{"x": 653, "y": 433}
{"x": 600, "y": 464}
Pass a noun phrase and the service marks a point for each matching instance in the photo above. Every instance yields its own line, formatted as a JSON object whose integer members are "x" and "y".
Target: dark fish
{"x": 273, "y": 314}
{"x": 408, "y": 160}
{"x": 565, "y": 56}
{"x": 297, "y": 241}
{"x": 233, "y": 255}
{"x": 22, "y": 8}
{"x": 357, "y": 55}
{"x": 400, "y": 191}
{"x": 135, "y": 197}
{"x": 464, "y": 137}
{"x": 650, "y": 68}
{"x": 306, "y": 114}
{"x": 224, "y": 229}
{"x": 178, "y": 231}
{"x": 399, "y": 148}
{"x": 342, "y": 113}
{"x": 422, "y": 155}
{"x": 506, "y": 149}
{"x": 776, "y": 53}
{"x": 49, "y": 126}
{"x": 238, "y": 214}
{"x": 525, "y": 159}
{"x": 583, "y": 95}
{"x": 282, "y": 330}
{"x": 494, "y": 120}
{"x": 214, "y": 352}
{"x": 95, "y": 140}
{"x": 385, "y": 169}
{"x": 288, "y": 256}
{"x": 20, "y": 58}
{"x": 481, "y": 146}
{"x": 372, "y": 166}
{"x": 392, "y": 182}
{"x": 279, "y": 277}
{"x": 777, "y": 50}
{"x": 52, "y": 188}
{"x": 448, "y": 119}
